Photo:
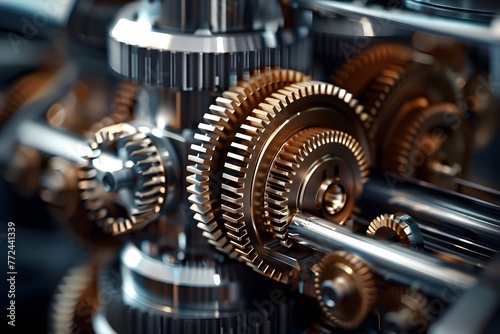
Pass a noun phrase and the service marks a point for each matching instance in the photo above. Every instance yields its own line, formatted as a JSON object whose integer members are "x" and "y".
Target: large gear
{"x": 405, "y": 228}
{"x": 345, "y": 289}
{"x": 217, "y": 134}
{"x": 149, "y": 189}
{"x": 290, "y": 110}
{"x": 174, "y": 59}
{"x": 301, "y": 156}
{"x": 356, "y": 75}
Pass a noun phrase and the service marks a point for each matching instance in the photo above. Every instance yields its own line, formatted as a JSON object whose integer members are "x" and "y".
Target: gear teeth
{"x": 216, "y": 133}
{"x": 364, "y": 282}
{"x": 150, "y": 189}
{"x": 287, "y": 164}
{"x": 244, "y": 150}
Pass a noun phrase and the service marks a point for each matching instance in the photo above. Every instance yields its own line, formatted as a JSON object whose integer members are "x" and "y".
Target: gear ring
{"x": 361, "y": 295}
{"x": 315, "y": 147}
{"x": 299, "y": 106}
{"x": 218, "y": 131}
{"x": 150, "y": 185}
{"x": 405, "y": 228}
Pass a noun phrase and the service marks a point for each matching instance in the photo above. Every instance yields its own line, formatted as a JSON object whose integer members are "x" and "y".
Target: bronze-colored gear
{"x": 392, "y": 88}
{"x": 23, "y": 90}
{"x": 217, "y": 134}
{"x": 290, "y": 172}
{"x": 403, "y": 226}
{"x": 290, "y": 110}
{"x": 402, "y": 309}
{"x": 356, "y": 75}
{"x": 75, "y": 300}
{"x": 149, "y": 190}
{"x": 356, "y": 292}
{"x": 427, "y": 136}
{"x": 122, "y": 108}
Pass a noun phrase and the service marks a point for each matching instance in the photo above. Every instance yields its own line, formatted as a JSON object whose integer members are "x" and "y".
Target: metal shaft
{"x": 438, "y": 211}
{"x": 394, "y": 263}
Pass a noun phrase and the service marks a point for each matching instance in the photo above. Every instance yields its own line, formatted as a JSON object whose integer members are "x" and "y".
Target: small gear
{"x": 217, "y": 133}
{"x": 404, "y": 310}
{"x": 146, "y": 171}
{"x": 430, "y": 137}
{"x": 290, "y": 110}
{"x": 345, "y": 289}
{"x": 326, "y": 150}
{"x": 403, "y": 226}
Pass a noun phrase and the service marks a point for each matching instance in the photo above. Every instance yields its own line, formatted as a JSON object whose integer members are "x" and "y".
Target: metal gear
{"x": 122, "y": 108}
{"x": 75, "y": 300}
{"x": 428, "y": 138}
{"x": 329, "y": 160}
{"x": 403, "y": 310}
{"x": 200, "y": 60}
{"x": 217, "y": 134}
{"x": 345, "y": 289}
{"x": 290, "y": 110}
{"x": 403, "y": 226}
{"x": 356, "y": 75}
{"x": 141, "y": 159}
{"x": 23, "y": 90}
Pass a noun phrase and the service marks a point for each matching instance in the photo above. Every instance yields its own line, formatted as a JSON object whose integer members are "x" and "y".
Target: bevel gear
{"x": 345, "y": 289}
{"x": 217, "y": 134}
{"x": 290, "y": 110}
{"x": 142, "y": 172}
{"x": 314, "y": 170}
{"x": 403, "y": 226}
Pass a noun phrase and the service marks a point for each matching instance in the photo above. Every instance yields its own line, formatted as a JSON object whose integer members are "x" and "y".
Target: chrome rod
{"x": 394, "y": 263}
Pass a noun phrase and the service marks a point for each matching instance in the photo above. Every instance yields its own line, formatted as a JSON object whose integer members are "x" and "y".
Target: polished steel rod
{"x": 464, "y": 218}
{"x": 393, "y": 262}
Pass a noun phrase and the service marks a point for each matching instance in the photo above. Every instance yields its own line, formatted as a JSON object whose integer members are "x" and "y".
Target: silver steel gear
{"x": 203, "y": 58}
{"x": 330, "y": 162}
{"x": 345, "y": 289}
{"x": 290, "y": 110}
{"x": 200, "y": 294}
{"x": 141, "y": 180}
{"x": 215, "y": 137}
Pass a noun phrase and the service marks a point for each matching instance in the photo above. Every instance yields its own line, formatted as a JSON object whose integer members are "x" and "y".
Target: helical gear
{"x": 292, "y": 162}
{"x": 362, "y": 295}
{"x": 217, "y": 133}
{"x": 149, "y": 189}
{"x": 403, "y": 226}
{"x": 294, "y": 108}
